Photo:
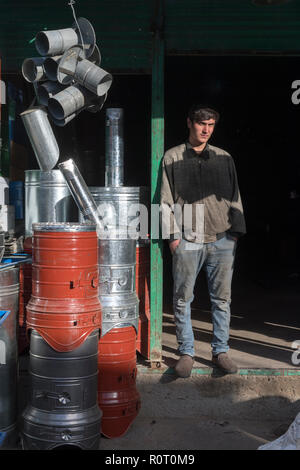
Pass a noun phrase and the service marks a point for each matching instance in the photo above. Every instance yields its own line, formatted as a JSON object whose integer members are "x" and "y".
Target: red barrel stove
{"x": 118, "y": 397}
{"x": 64, "y": 307}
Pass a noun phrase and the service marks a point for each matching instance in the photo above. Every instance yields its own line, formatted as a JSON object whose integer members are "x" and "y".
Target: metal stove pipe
{"x": 114, "y": 151}
{"x": 80, "y": 191}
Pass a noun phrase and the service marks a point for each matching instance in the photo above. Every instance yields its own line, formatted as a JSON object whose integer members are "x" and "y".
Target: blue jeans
{"x": 217, "y": 259}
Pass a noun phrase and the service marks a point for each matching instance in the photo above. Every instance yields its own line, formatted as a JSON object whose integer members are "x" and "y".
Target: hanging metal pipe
{"x": 41, "y": 136}
{"x": 51, "y": 66}
{"x": 2, "y": 243}
{"x": 80, "y": 191}
{"x": 9, "y": 296}
{"x": 114, "y": 147}
{"x": 47, "y": 90}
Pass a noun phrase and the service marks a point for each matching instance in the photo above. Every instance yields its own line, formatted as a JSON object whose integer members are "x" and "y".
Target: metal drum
{"x": 63, "y": 410}
{"x": 2, "y": 243}
{"x": 9, "y": 293}
{"x": 64, "y": 307}
{"x": 24, "y": 297}
{"x": 47, "y": 199}
{"x": 143, "y": 293}
{"x": 118, "y": 396}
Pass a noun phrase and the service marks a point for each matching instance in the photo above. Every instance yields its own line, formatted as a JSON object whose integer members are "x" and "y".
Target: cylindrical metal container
{"x": 47, "y": 90}
{"x": 80, "y": 191}
{"x": 7, "y": 218}
{"x": 51, "y": 67}
{"x": 143, "y": 293}
{"x": 9, "y": 298}
{"x": 47, "y": 199}
{"x": 64, "y": 307}
{"x": 63, "y": 409}
{"x": 41, "y": 137}
{"x": 16, "y": 197}
{"x": 118, "y": 396}
{"x": 119, "y": 302}
{"x": 24, "y": 297}
{"x": 33, "y": 69}
{"x": 2, "y": 243}
{"x": 55, "y": 42}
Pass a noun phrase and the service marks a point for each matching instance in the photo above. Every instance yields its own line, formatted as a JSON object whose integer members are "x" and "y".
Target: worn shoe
{"x": 224, "y": 362}
{"x": 184, "y": 366}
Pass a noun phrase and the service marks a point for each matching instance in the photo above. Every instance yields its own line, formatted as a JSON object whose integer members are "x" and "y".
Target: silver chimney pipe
{"x": 80, "y": 191}
{"x": 114, "y": 147}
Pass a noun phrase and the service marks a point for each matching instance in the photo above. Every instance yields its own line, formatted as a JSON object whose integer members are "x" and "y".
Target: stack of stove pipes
{"x": 118, "y": 396}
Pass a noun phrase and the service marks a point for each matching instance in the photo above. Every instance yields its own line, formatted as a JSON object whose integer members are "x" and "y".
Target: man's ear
{"x": 189, "y": 123}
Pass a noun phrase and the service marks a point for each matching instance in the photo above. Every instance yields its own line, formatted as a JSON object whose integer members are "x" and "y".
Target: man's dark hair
{"x": 198, "y": 113}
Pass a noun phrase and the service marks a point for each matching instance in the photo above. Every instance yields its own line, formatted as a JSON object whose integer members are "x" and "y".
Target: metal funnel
{"x": 41, "y": 137}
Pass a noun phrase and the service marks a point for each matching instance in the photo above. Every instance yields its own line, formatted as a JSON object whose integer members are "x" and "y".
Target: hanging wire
{"x": 72, "y": 3}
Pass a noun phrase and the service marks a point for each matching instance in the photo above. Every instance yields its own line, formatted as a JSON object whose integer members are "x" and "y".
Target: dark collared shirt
{"x": 208, "y": 179}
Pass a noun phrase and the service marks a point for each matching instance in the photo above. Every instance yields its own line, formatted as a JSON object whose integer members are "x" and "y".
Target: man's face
{"x": 201, "y": 131}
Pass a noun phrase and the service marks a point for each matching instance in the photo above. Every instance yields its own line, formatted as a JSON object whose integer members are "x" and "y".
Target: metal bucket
{"x": 64, "y": 307}
{"x": 47, "y": 199}
{"x": 63, "y": 409}
{"x": 118, "y": 396}
{"x": 9, "y": 297}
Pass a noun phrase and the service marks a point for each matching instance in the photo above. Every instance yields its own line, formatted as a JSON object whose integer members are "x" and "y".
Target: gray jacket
{"x": 205, "y": 184}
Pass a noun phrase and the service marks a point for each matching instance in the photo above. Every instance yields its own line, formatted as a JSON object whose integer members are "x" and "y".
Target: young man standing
{"x": 197, "y": 175}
